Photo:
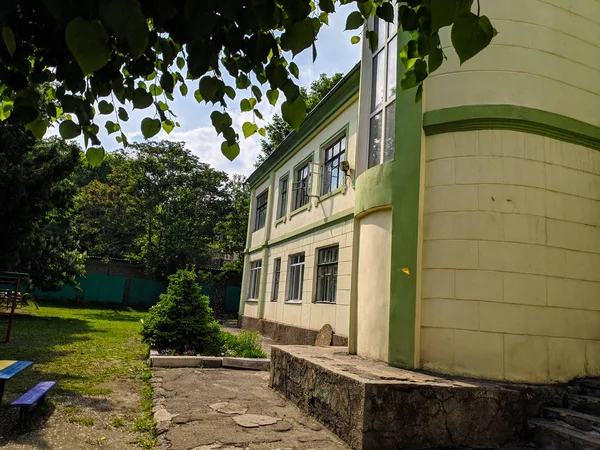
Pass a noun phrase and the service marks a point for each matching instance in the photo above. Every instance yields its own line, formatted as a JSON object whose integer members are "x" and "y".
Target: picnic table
{"x": 9, "y": 369}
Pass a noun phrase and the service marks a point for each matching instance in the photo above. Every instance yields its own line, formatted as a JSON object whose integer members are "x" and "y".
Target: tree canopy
{"x": 75, "y": 62}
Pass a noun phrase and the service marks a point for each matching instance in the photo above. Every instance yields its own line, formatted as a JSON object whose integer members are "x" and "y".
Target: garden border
{"x": 207, "y": 362}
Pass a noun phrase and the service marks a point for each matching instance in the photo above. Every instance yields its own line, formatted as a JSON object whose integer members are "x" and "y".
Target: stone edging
{"x": 208, "y": 362}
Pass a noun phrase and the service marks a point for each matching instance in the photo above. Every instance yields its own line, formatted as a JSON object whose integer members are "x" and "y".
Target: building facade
{"x": 465, "y": 237}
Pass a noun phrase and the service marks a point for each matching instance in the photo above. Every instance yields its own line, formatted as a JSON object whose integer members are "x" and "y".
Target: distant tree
{"x": 36, "y": 200}
{"x": 278, "y": 129}
{"x": 233, "y": 226}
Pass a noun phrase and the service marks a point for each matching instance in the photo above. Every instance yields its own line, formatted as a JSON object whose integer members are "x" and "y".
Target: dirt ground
{"x": 200, "y": 409}
{"x": 75, "y": 421}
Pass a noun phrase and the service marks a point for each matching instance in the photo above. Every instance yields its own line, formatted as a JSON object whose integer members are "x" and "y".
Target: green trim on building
{"x": 405, "y": 186}
{"x": 514, "y": 118}
{"x": 343, "y": 92}
{"x": 374, "y": 188}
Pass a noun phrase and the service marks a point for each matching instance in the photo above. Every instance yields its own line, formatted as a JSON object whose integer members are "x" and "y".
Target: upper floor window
{"x": 261, "y": 211}
{"x": 382, "y": 65}
{"x": 283, "y": 195}
{"x": 333, "y": 176}
{"x": 301, "y": 185}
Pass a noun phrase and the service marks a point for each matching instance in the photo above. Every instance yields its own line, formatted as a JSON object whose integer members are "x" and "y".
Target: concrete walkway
{"x": 205, "y": 409}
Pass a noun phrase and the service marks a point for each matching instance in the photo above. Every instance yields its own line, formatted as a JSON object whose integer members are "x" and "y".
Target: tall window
{"x": 327, "y": 269}
{"x": 276, "y": 277}
{"x": 283, "y": 194}
{"x": 254, "y": 281}
{"x": 333, "y": 176}
{"x": 261, "y": 211}
{"x": 295, "y": 277}
{"x": 382, "y": 104}
{"x": 301, "y": 185}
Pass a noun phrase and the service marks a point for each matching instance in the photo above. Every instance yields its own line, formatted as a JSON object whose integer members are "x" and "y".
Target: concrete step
{"x": 584, "y": 403}
{"x": 551, "y": 435}
{"x": 582, "y": 421}
{"x": 588, "y": 386}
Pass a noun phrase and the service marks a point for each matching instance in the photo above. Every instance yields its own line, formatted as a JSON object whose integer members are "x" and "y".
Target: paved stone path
{"x": 205, "y": 409}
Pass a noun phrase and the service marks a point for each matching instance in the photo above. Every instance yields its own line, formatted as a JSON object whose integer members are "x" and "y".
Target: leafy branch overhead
{"x": 77, "y": 62}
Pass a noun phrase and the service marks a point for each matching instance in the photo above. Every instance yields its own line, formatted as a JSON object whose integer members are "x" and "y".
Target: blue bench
{"x": 10, "y": 371}
{"x": 36, "y": 394}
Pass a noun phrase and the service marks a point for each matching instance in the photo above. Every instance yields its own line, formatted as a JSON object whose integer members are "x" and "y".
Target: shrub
{"x": 245, "y": 345}
{"x": 182, "y": 319}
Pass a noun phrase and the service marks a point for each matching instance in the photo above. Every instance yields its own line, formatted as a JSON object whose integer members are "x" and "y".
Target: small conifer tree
{"x": 182, "y": 319}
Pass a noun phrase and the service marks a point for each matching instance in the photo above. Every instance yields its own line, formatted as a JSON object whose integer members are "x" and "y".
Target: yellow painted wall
{"x": 373, "y": 284}
{"x": 511, "y": 258}
{"x": 546, "y": 56}
{"x": 309, "y": 314}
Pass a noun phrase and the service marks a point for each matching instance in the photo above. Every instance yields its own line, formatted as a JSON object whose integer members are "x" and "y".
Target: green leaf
{"x": 9, "y": 40}
{"x": 69, "y": 129}
{"x": 229, "y": 92}
{"x": 436, "y": 58}
{"x": 355, "y": 40}
{"x": 419, "y": 95}
{"x": 220, "y": 121}
{"x": 209, "y": 87}
{"x": 168, "y": 126}
{"x": 88, "y": 42}
{"x": 262, "y": 132}
{"x": 123, "y": 114}
{"x": 299, "y": 36}
{"x": 245, "y": 105}
{"x": 324, "y": 18}
{"x": 409, "y": 80}
{"x": 373, "y": 40}
{"x": 294, "y": 112}
{"x": 471, "y": 34}
{"x": 166, "y": 82}
{"x": 111, "y": 127}
{"x": 257, "y": 92}
{"x": 354, "y": 21}
{"x": 273, "y": 95}
{"x": 180, "y": 63}
{"x": 198, "y": 95}
{"x": 183, "y": 89}
{"x": 150, "y": 127}
{"x": 155, "y": 90}
{"x": 249, "y": 129}
{"x": 258, "y": 114}
{"x": 162, "y": 105}
{"x": 365, "y": 8}
{"x": 38, "y": 128}
{"x": 105, "y": 108}
{"x": 294, "y": 70}
{"x": 95, "y": 156}
{"x": 242, "y": 81}
{"x": 385, "y": 11}
{"x": 445, "y": 12}
{"x": 327, "y": 6}
{"x": 141, "y": 99}
{"x": 137, "y": 35}
{"x": 230, "y": 151}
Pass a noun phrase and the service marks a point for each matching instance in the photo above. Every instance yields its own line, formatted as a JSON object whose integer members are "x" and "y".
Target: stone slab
{"x": 211, "y": 362}
{"x": 372, "y": 405}
{"x": 324, "y": 336}
{"x": 247, "y": 363}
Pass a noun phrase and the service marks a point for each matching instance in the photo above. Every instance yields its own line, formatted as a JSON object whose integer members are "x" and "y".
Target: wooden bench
{"x": 36, "y": 394}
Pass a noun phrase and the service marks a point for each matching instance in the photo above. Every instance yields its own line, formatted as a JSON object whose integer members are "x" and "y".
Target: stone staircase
{"x": 576, "y": 426}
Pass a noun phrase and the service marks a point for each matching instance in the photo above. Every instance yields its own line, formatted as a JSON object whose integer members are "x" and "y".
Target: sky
{"x": 335, "y": 54}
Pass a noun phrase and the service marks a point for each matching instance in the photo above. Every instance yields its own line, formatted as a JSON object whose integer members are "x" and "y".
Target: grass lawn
{"x": 92, "y": 353}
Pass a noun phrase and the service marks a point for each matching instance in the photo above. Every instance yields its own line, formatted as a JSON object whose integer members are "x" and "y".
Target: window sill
{"x": 293, "y": 302}
{"x": 251, "y": 300}
{"x": 323, "y": 303}
{"x": 280, "y": 221}
{"x": 299, "y": 210}
{"x": 341, "y": 190}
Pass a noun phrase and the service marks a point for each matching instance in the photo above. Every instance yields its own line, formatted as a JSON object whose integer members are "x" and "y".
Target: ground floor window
{"x": 276, "y": 277}
{"x": 254, "y": 281}
{"x": 327, "y": 270}
{"x": 295, "y": 277}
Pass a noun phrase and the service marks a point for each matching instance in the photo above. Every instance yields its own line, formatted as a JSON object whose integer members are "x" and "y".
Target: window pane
{"x": 391, "y": 68}
{"x": 380, "y": 26}
{"x": 378, "y": 88}
{"x": 392, "y": 26}
{"x": 390, "y": 125}
{"x": 375, "y": 140}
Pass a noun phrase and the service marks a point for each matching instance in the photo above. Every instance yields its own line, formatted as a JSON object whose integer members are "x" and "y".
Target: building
{"x": 462, "y": 235}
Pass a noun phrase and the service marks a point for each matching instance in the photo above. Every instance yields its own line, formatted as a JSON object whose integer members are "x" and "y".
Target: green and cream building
{"x": 461, "y": 234}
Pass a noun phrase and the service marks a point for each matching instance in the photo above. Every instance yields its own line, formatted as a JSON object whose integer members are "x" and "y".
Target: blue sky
{"x": 335, "y": 54}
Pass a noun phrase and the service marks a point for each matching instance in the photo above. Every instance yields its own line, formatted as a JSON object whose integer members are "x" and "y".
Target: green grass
{"x": 82, "y": 348}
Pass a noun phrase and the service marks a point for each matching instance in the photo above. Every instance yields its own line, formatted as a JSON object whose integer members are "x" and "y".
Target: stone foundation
{"x": 371, "y": 405}
{"x": 285, "y": 334}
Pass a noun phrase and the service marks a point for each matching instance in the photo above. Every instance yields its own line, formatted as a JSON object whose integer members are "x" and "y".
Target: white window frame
{"x": 257, "y": 219}
{"x": 282, "y": 205}
{"x": 254, "y": 280}
{"x": 295, "y": 271}
{"x": 341, "y": 156}
{"x": 332, "y": 278}
{"x": 276, "y": 279}
{"x": 366, "y": 95}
